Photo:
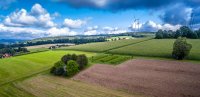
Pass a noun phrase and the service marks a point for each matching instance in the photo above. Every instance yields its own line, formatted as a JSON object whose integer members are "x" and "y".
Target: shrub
{"x": 66, "y": 58}
{"x": 58, "y": 68}
{"x": 69, "y": 65}
{"x": 74, "y": 57}
{"x": 181, "y": 48}
{"x": 82, "y": 60}
{"x": 72, "y": 68}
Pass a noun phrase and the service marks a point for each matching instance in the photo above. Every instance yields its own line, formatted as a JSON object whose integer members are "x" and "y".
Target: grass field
{"x": 22, "y": 66}
{"x": 104, "y": 46}
{"x": 158, "y": 48}
{"x": 51, "y": 86}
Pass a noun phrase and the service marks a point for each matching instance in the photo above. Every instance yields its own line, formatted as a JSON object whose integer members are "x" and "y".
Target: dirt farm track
{"x": 155, "y": 78}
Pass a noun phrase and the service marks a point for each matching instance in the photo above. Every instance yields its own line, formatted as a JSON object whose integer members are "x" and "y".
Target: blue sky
{"x": 29, "y": 19}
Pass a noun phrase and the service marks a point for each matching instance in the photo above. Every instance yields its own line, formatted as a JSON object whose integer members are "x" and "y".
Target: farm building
{"x": 6, "y": 55}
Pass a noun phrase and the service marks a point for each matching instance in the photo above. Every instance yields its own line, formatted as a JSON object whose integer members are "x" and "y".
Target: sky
{"x": 29, "y": 19}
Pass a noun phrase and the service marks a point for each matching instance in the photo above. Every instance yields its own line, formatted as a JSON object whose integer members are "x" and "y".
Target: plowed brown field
{"x": 151, "y": 77}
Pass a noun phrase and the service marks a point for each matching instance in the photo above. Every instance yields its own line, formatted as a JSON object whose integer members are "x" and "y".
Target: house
{"x": 6, "y": 55}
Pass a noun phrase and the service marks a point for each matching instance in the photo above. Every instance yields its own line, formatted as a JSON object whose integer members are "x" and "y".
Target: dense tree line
{"x": 184, "y": 31}
{"x": 69, "y": 65}
{"x": 12, "y": 51}
{"x": 75, "y": 41}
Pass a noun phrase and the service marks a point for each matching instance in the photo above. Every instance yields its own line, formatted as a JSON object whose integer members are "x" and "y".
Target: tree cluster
{"x": 184, "y": 31}
{"x": 12, "y": 51}
{"x": 69, "y": 65}
{"x": 54, "y": 41}
{"x": 181, "y": 48}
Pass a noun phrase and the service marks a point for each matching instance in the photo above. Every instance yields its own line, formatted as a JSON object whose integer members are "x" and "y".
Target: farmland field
{"x": 157, "y": 48}
{"x": 38, "y": 49}
{"x": 109, "y": 59}
{"x": 46, "y": 85}
{"x": 22, "y": 66}
{"x": 104, "y": 46}
{"x": 40, "y": 46}
{"x": 10, "y": 90}
{"x": 157, "y": 78}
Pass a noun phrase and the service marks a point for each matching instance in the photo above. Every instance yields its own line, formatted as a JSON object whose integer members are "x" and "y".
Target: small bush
{"x": 181, "y": 48}
{"x": 82, "y": 60}
{"x": 72, "y": 68}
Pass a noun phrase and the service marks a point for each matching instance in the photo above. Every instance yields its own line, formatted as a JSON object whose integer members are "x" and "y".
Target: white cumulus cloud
{"x": 92, "y": 30}
{"x": 38, "y": 17}
{"x": 151, "y": 26}
{"x": 74, "y": 23}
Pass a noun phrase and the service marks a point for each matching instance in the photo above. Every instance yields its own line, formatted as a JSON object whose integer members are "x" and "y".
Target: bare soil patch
{"x": 156, "y": 78}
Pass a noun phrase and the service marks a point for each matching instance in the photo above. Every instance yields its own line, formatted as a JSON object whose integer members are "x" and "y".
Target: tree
{"x": 159, "y": 34}
{"x": 72, "y": 68}
{"x": 66, "y": 58}
{"x": 74, "y": 57}
{"x": 198, "y": 33}
{"x": 186, "y": 31}
{"x": 58, "y": 68}
{"x": 177, "y": 34}
{"x": 193, "y": 35}
{"x": 82, "y": 60}
{"x": 181, "y": 48}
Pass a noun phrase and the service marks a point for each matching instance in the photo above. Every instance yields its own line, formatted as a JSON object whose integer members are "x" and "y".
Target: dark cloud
{"x": 196, "y": 15}
{"x": 181, "y": 14}
{"x": 177, "y": 14}
{"x": 116, "y": 5}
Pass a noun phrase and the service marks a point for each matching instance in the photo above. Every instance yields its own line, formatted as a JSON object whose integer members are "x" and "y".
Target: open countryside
{"x": 99, "y": 48}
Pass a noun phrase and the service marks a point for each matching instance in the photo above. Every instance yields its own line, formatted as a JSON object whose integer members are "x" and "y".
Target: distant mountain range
{"x": 10, "y": 41}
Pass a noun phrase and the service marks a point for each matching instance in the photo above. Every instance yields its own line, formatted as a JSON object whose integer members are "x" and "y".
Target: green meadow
{"x": 158, "y": 48}
{"x": 104, "y": 46}
{"x": 26, "y": 65}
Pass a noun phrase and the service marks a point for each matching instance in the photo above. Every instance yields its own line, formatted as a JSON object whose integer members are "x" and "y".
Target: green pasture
{"x": 157, "y": 48}
{"x": 25, "y": 65}
{"x": 104, "y": 46}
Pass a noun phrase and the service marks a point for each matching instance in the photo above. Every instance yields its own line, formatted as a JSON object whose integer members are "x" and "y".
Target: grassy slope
{"x": 42, "y": 85}
{"x": 157, "y": 48}
{"x": 22, "y": 66}
{"x": 103, "y": 46}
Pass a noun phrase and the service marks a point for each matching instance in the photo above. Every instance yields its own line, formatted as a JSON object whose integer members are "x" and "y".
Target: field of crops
{"x": 47, "y": 86}
{"x": 109, "y": 59}
{"x": 10, "y": 90}
{"x": 104, "y": 46}
{"x": 22, "y": 66}
{"x": 157, "y": 48}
